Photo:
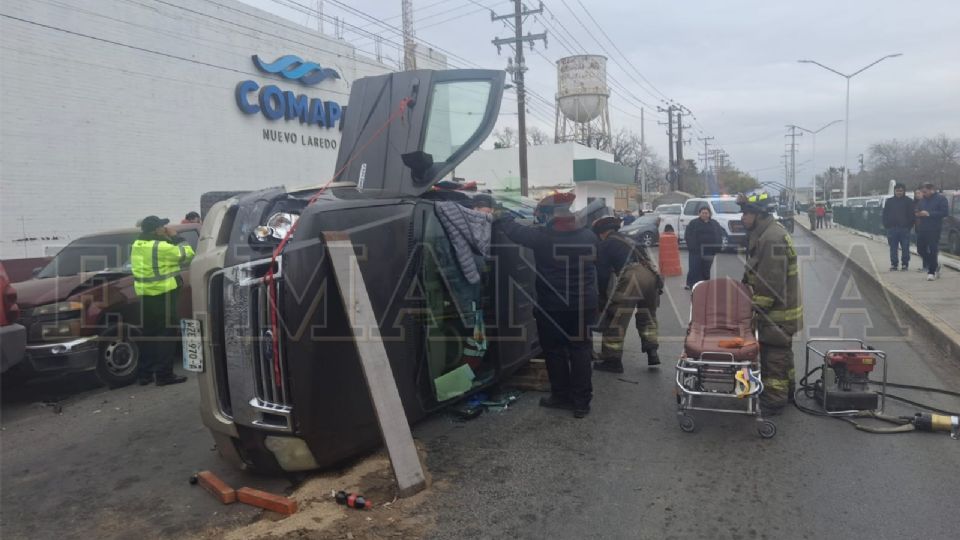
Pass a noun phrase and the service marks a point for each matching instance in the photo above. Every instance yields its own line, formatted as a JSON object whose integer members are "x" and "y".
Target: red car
{"x": 81, "y": 311}
{"x": 13, "y": 336}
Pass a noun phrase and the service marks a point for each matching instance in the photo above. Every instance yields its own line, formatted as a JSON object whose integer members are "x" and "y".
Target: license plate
{"x": 192, "y": 344}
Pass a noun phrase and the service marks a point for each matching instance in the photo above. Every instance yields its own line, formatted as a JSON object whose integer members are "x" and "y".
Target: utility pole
{"x": 643, "y": 123}
{"x": 860, "y": 177}
{"x": 409, "y": 46}
{"x": 671, "y": 166}
{"x": 791, "y": 181}
{"x": 706, "y": 163}
{"x": 519, "y": 67}
{"x": 680, "y": 142}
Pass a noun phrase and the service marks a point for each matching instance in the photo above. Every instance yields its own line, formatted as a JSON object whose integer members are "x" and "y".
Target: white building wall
{"x": 96, "y": 135}
{"x": 548, "y": 166}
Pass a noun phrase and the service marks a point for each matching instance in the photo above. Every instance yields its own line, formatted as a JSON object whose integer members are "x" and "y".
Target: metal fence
{"x": 861, "y": 218}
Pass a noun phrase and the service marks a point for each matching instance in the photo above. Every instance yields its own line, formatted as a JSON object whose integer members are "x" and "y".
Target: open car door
{"x": 405, "y": 131}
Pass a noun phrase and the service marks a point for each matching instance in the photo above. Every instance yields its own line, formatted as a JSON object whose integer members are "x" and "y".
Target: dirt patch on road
{"x": 319, "y": 516}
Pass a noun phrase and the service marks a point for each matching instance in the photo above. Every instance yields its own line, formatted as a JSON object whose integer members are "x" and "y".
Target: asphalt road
{"x": 627, "y": 471}
{"x": 80, "y": 461}
{"x": 115, "y": 464}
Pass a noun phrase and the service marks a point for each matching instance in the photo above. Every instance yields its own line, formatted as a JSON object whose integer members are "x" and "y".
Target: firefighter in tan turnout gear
{"x": 772, "y": 274}
{"x": 628, "y": 282}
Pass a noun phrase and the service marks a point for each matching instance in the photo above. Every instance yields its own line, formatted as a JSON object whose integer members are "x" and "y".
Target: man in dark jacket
{"x": 704, "y": 238}
{"x": 565, "y": 255}
{"x": 898, "y": 220}
{"x": 628, "y": 282}
{"x": 930, "y": 211}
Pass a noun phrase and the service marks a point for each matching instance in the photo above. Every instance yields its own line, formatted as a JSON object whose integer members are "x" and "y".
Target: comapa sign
{"x": 275, "y": 103}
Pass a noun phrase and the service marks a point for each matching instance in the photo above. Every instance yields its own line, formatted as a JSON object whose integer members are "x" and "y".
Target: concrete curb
{"x": 942, "y": 336}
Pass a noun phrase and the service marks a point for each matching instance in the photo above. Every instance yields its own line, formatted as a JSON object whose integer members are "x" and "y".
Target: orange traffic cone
{"x": 670, "y": 255}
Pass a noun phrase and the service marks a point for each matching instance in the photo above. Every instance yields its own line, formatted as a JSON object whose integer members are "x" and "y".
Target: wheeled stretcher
{"x": 719, "y": 369}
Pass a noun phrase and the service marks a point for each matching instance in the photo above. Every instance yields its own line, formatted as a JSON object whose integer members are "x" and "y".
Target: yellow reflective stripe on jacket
{"x": 763, "y": 302}
{"x": 776, "y": 384}
{"x": 792, "y": 269}
{"x": 785, "y": 315}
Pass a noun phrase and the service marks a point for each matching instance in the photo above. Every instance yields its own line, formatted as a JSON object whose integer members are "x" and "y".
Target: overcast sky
{"x": 732, "y": 62}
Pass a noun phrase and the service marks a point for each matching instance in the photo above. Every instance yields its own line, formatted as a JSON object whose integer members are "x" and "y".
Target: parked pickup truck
{"x": 13, "y": 336}
{"x": 668, "y": 217}
{"x": 950, "y": 237}
{"x": 81, "y": 312}
{"x": 725, "y": 211}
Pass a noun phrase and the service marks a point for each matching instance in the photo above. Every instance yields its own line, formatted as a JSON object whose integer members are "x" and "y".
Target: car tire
{"x": 648, "y": 239}
{"x": 119, "y": 358}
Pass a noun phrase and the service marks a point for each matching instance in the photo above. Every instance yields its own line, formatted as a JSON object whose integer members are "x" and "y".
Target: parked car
{"x": 644, "y": 230}
{"x": 725, "y": 211}
{"x": 950, "y": 238}
{"x": 669, "y": 215}
{"x": 81, "y": 312}
{"x": 13, "y": 336}
{"x": 308, "y": 406}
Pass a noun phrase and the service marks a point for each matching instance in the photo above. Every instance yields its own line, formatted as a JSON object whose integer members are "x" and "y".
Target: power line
{"x": 627, "y": 60}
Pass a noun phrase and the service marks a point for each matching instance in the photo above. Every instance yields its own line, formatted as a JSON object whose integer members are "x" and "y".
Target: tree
{"x": 628, "y": 150}
{"x": 505, "y": 138}
{"x": 733, "y": 180}
{"x": 912, "y": 162}
{"x": 537, "y": 136}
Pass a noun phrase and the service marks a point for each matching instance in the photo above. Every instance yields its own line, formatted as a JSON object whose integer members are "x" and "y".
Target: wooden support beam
{"x": 376, "y": 366}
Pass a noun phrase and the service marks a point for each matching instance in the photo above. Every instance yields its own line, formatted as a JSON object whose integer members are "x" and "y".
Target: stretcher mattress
{"x": 722, "y": 310}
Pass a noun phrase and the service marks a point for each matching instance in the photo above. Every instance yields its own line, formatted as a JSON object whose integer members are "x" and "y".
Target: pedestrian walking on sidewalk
{"x": 566, "y": 309}
{"x": 828, "y": 215}
{"x": 898, "y": 221}
{"x": 812, "y": 214}
{"x": 821, "y": 213}
{"x": 704, "y": 238}
{"x": 930, "y": 211}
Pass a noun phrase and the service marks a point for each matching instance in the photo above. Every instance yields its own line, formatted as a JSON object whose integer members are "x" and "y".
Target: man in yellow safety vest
{"x": 157, "y": 258}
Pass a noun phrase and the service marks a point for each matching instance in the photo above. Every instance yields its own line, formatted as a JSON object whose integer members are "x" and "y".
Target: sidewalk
{"x": 933, "y": 306}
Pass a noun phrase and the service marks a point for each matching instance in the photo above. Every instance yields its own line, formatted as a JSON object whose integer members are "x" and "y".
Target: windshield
{"x": 727, "y": 207}
{"x": 92, "y": 254}
{"x": 672, "y": 209}
{"x": 521, "y": 207}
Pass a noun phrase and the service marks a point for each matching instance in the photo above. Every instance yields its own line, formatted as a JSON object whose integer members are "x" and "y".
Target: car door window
{"x": 691, "y": 208}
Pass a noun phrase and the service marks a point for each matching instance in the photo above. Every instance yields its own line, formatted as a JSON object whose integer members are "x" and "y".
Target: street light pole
{"x": 813, "y": 157}
{"x": 846, "y": 137}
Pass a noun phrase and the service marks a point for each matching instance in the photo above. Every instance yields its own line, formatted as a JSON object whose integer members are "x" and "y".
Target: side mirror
{"x": 419, "y": 163}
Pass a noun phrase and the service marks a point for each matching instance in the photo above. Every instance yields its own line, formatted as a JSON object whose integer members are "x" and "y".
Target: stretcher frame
{"x": 721, "y": 368}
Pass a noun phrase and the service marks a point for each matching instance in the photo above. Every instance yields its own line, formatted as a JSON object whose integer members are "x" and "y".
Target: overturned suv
{"x": 281, "y": 383}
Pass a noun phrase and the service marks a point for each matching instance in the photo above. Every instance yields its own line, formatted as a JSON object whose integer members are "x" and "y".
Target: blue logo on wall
{"x": 296, "y": 69}
{"x": 275, "y": 103}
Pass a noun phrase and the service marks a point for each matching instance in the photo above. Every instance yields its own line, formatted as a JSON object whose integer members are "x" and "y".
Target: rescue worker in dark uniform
{"x": 628, "y": 282}
{"x": 565, "y": 255}
{"x": 773, "y": 275}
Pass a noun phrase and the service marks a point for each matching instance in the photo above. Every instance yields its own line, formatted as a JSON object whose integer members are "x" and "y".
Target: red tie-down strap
{"x": 269, "y": 277}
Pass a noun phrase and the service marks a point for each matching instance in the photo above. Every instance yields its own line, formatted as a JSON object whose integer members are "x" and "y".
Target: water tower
{"x": 583, "y": 114}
